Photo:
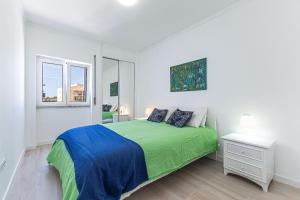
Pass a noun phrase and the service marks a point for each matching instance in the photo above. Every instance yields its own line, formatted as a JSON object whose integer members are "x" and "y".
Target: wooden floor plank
{"x": 201, "y": 180}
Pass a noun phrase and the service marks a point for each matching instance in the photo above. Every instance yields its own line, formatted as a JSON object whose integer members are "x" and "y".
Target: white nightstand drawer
{"x": 243, "y": 150}
{"x": 245, "y": 168}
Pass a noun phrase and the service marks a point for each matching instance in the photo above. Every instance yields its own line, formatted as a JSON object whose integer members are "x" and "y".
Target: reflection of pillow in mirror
{"x": 113, "y": 108}
{"x": 106, "y": 107}
{"x": 116, "y": 108}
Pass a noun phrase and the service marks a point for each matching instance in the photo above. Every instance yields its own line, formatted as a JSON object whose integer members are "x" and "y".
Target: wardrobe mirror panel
{"x": 126, "y": 98}
{"x": 118, "y": 90}
{"x": 110, "y": 84}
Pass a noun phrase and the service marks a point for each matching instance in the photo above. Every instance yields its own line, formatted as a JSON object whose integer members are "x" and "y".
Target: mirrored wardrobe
{"x": 118, "y": 90}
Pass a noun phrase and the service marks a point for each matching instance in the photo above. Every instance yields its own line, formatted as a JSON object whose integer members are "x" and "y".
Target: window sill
{"x": 63, "y": 106}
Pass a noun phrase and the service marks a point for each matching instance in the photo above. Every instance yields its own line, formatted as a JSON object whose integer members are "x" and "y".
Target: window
{"x": 52, "y": 82}
{"x": 62, "y": 82}
{"x": 78, "y": 83}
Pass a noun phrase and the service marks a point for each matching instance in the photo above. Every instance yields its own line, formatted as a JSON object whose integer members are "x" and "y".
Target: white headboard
{"x": 211, "y": 121}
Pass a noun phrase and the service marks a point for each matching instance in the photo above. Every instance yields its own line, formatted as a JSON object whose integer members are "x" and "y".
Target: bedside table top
{"x": 249, "y": 139}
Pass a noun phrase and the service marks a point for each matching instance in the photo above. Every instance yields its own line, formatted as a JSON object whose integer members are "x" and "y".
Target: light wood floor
{"x": 201, "y": 180}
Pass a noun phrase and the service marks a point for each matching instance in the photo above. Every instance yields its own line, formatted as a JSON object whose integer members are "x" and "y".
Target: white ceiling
{"x": 129, "y": 27}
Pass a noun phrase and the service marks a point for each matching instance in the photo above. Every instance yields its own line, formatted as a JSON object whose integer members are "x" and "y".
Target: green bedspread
{"x": 107, "y": 115}
{"x": 166, "y": 149}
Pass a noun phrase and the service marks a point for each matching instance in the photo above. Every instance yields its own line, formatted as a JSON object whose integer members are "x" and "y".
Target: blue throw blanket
{"x": 106, "y": 164}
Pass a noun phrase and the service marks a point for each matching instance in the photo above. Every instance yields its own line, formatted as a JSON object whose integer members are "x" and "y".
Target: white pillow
{"x": 204, "y": 120}
{"x": 199, "y": 116}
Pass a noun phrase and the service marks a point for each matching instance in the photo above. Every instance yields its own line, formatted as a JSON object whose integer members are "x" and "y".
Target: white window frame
{"x": 66, "y": 82}
{"x": 88, "y": 99}
{"x": 39, "y": 98}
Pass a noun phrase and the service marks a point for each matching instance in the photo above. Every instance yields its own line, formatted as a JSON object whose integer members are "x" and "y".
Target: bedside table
{"x": 249, "y": 157}
{"x": 122, "y": 118}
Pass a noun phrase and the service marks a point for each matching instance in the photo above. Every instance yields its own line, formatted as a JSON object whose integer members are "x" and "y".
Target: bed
{"x": 165, "y": 147}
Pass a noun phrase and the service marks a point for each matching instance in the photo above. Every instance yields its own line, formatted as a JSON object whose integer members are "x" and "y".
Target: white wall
{"x": 253, "y": 67}
{"x": 43, "y": 125}
{"x": 11, "y": 87}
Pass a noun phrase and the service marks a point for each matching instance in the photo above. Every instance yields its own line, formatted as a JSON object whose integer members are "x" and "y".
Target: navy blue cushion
{"x": 157, "y": 115}
{"x": 180, "y": 118}
{"x": 106, "y": 107}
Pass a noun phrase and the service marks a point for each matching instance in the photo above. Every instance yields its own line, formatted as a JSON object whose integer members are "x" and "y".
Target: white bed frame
{"x": 210, "y": 122}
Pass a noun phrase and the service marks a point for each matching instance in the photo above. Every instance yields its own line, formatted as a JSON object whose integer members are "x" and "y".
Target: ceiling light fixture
{"x": 128, "y": 2}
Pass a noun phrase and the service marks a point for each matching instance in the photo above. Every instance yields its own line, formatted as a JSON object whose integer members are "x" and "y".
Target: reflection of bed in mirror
{"x": 118, "y": 90}
{"x": 108, "y": 111}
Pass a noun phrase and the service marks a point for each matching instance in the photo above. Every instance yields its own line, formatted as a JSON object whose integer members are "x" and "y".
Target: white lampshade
{"x": 148, "y": 111}
{"x": 128, "y": 2}
{"x": 247, "y": 122}
{"x": 123, "y": 110}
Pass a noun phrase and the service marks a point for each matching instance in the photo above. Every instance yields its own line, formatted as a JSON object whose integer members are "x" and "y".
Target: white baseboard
{"x": 13, "y": 174}
{"x": 213, "y": 156}
{"x": 277, "y": 177}
{"x": 288, "y": 181}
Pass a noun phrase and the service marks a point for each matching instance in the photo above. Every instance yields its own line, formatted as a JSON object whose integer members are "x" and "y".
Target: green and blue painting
{"x": 189, "y": 76}
{"x": 114, "y": 89}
